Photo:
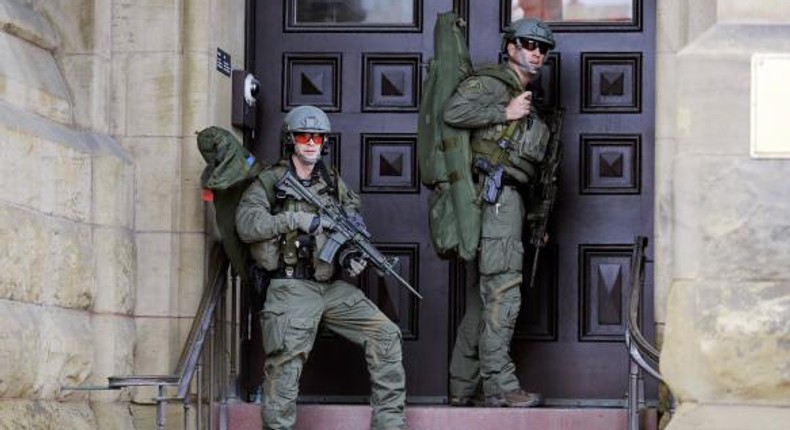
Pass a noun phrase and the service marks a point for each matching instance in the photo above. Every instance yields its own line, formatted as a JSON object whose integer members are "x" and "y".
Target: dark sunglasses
{"x": 530, "y": 45}
{"x": 304, "y": 138}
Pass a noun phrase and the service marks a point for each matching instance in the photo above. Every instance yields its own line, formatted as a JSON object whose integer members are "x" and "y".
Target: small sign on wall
{"x": 770, "y": 131}
{"x": 223, "y": 62}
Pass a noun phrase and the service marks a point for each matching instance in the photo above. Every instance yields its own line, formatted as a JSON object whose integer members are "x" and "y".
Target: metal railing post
{"x": 199, "y": 395}
{"x": 186, "y": 413}
{"x": 633, "y": 401}
{"x": 161, "y": 408}
{"x": 222, "y": 339}
{"x": 211, "y": 374}
{"x": 234, "y": 334}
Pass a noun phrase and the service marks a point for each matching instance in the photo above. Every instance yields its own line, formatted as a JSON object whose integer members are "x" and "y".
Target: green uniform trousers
{"x": 482, "y": 347}
{"x": 290, "y": 321}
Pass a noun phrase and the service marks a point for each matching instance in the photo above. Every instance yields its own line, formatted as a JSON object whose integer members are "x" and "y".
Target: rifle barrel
{"x": 404, "y": 283}
{"x": 534, "y": 267}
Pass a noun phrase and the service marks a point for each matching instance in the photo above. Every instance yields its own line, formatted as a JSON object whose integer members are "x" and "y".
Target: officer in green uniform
{"x": 506, "y": 133}
{"x": 285, "y": 236}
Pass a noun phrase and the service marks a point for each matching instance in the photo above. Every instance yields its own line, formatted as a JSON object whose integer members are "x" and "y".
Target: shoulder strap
{"x": 268, "y": 178}
{"x": 330, "y": 176}
{"x": 502, "y": 74}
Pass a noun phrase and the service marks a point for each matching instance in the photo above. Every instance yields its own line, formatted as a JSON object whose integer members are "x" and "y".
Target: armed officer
{"x": 285, "y": 236}
{"x": 509, "y": 139}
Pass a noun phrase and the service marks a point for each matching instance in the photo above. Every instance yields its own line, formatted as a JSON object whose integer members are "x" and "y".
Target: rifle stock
{"x": 548, "y": 179}
{"x": 346, "y": 230}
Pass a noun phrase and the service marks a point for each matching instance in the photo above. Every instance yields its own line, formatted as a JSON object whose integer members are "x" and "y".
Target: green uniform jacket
{"x": 481, "y": 99}
{"x": 263, "y": 221}
{"x": 479, "y": 103}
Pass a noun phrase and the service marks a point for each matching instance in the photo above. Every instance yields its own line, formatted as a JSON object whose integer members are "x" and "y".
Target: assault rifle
{"x": 345, "y": 229}
{"x": 548, "y": 182}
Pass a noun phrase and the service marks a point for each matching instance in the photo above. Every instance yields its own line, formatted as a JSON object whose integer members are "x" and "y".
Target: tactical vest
{"x": 295, "y": 253}
{"x": 518, "y": 145}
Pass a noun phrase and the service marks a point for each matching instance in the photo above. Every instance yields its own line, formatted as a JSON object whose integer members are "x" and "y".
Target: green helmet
{"x": 308, "y": 119}
{"x": 529, "y": 28}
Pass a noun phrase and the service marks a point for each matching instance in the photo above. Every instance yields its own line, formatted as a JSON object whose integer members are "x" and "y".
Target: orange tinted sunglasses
{"x": 304, "y": 138}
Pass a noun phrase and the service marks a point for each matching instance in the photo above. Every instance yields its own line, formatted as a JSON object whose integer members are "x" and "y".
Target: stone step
{"x": 246, "y": 416}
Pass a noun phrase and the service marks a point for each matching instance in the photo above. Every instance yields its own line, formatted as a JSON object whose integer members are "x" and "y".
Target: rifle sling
{"x": 495, "y": 152}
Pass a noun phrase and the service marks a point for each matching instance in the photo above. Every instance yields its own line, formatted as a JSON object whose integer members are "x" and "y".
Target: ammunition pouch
{"x": 297, "y": 256}
{"x": 517, "y": 145}
{"x": 267, "y": 253}
{"x": 530, "y": 142}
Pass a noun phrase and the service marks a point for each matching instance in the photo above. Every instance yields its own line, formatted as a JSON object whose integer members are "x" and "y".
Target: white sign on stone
{"x": 770, "y": 128}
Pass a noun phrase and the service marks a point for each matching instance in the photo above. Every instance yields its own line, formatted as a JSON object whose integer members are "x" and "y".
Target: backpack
{"x": 230, "y": 168}
{"x": 450, "y": 65}
{"x": 443, "y": 152}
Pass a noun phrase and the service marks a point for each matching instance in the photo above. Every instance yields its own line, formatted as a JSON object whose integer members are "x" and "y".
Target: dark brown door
{"x": 363, "y": 62}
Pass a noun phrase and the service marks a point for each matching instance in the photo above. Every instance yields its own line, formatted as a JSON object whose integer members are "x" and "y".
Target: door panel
{"x": 365, "y": 67}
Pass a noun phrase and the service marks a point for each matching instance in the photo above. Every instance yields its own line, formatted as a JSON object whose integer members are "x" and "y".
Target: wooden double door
{"x": 363, "y": 61}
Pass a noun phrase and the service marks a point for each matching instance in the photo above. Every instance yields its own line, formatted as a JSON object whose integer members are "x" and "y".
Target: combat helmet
{"x": 529, "y": 28}
{"x": 309, "y": 119}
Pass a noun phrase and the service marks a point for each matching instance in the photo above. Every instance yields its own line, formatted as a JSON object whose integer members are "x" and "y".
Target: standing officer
{"x": 506, "y": 135}
{"x": 285, "y": 236}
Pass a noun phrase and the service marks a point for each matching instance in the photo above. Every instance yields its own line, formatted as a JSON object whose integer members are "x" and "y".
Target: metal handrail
{"x": 637, "y": 283}
{"x": 641, "y": 352}
{"x": 190, "y": 360}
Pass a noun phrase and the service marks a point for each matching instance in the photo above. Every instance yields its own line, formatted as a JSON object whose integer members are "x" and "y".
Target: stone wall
{"x": 722, "y": 273}
{"x": 101, "y": 223}
{"x": 102, "y": 229}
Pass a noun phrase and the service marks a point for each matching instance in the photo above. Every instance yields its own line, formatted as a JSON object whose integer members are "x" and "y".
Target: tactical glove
{"x": 356, "y": 265}
{"x": 327, "y": 223}
{"x": 307, "y": 222}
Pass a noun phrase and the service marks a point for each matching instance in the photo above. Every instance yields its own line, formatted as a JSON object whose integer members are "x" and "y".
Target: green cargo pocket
{"x": 509, "y": 315}
{"x": 300, "y": 334}
{"x": 388, "y": 343}
{"x": 500, "y": 255}
{"x": 273, "y": 327}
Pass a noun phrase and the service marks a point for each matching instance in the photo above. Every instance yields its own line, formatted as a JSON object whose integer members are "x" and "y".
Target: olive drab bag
{"x": 230, "y": 168}
{"x": 443, "y": 152}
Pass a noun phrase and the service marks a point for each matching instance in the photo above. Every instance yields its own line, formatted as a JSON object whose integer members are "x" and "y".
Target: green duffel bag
{"x": 229, "y": 163}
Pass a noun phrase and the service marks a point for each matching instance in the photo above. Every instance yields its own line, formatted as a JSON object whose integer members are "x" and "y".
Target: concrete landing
{"x": 246, "y": 416}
